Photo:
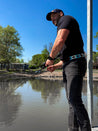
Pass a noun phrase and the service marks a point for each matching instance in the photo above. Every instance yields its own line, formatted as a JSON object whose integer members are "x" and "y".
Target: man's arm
{"x": 58, "y": 44}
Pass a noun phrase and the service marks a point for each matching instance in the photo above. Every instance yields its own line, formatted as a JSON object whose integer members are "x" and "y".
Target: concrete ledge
{"x": 95, "y": 128}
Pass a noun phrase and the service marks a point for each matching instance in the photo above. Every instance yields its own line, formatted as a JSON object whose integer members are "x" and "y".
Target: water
{"x": 37, "y": 105}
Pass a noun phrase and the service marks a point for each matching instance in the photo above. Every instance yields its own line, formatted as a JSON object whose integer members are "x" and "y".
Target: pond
{"x": 37, "y": 105}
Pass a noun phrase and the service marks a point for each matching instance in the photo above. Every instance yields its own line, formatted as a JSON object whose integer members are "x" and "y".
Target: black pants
{"x": 73, "y": 72}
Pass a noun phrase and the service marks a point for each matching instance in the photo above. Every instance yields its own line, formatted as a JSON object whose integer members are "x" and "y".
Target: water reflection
{"x": 50, "y": 91}
{"x": 9, "y": 101}
{"x": 95, "y": 88}
{"x": 38, "y": 105}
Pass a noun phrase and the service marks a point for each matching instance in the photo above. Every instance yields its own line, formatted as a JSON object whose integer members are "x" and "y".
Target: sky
{"x": 28, "y": 17}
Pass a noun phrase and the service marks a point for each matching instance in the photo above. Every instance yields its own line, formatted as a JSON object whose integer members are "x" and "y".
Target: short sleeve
{"x": 66, "y": 22}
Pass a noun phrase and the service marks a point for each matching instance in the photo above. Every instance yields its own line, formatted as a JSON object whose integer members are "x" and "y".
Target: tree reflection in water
{"x": 50, "y": 90}
{"x": 9, "y": 101}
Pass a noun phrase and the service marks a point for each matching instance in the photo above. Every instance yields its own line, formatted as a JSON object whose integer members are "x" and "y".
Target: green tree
{"x": 37, "y": 60}
{"x": 95, "y": 56}
{"x": 96, "y": 36}
{"x": 19, "y": 61}
{"x": 96, "y": 47}
{"x": 10, "y": 47}
{"x": 45, "y": 53}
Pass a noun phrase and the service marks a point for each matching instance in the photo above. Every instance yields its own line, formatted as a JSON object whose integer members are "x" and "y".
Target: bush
{"x": 32, "y": 66}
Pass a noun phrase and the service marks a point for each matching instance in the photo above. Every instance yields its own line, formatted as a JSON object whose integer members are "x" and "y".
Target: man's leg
{"x": 72, "y": 118}
{"x": 74, "y": 85}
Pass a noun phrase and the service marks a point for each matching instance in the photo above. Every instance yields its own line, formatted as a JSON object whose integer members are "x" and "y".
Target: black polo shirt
{"x": 74, "y": 43}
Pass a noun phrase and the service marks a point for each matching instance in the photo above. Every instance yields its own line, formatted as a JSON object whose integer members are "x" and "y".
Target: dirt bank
{"x": 56, "y": 75}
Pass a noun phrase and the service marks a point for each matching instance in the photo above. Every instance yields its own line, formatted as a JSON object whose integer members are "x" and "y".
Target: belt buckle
{"x": 72, "y": 57}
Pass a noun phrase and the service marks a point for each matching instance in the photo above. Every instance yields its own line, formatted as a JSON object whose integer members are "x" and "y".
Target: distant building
{"x": 14, "y": 66}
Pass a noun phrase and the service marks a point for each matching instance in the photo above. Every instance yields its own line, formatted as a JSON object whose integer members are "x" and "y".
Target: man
{"x": 69, "y": 44}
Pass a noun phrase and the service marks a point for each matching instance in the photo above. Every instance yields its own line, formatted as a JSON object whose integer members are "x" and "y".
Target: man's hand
{"x": 51, "y": 68}
{"x": 49, "y": 62}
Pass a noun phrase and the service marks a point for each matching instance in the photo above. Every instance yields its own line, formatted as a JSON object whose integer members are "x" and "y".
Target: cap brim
{"x": 48, "y": 17}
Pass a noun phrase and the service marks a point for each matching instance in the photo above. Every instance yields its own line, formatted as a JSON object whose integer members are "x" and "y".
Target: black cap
{"x": 48, "y": 17}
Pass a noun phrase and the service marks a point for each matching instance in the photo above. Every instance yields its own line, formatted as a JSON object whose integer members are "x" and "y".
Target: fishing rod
{"x": 43, "y": 65}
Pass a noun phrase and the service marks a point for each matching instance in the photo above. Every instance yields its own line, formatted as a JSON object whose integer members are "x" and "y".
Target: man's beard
{"x": 55, "y": 22}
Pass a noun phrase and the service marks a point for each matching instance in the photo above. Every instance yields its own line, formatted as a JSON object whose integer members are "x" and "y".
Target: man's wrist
{"x": 50, "y": 58}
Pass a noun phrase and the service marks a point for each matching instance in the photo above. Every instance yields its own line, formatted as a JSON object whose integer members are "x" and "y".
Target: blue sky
{"x": 28, "y": 17}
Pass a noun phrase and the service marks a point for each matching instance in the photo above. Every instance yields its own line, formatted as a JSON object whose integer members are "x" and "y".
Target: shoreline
{"x": 56, "y": 75}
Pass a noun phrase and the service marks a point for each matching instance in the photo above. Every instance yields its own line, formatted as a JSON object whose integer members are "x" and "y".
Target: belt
{"x": 75, "y": 57}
